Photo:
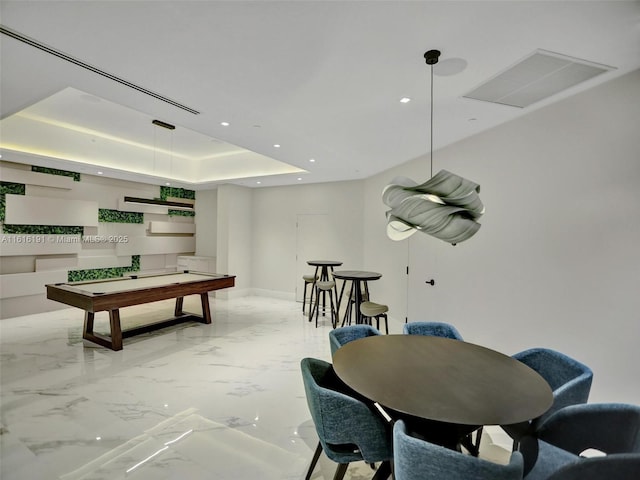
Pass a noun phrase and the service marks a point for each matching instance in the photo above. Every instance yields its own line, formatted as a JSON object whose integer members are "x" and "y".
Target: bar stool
{"x": 308, "y": 279}
{"x": 370, "y": 310}
{"x": 324, "y": 288}
{"x": 352, "y": 302}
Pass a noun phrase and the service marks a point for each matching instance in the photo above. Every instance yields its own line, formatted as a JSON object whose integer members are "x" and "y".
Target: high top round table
{"x": 324, "y": 266}
{"x": 359, "y": 281}
{"x": 455, "y": 385}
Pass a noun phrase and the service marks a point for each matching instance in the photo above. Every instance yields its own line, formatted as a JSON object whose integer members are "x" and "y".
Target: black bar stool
{"x": 308, "y": 280}
{"x": 371, "y": 310}
{"x": 324, "y": 287}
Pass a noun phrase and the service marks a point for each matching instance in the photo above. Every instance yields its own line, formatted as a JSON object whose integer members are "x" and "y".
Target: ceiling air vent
{"x": 536, "y": 77}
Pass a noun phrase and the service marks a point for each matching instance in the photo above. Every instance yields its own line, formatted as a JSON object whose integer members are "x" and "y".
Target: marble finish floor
{"x": 193, "y": 401}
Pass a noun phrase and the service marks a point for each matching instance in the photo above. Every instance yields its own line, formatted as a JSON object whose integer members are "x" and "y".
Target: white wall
{"x": 206, "y": 221}
{"x": 234, "y": 238}
{"x": 557, "y": 260}
{"x": 275, "y": 212}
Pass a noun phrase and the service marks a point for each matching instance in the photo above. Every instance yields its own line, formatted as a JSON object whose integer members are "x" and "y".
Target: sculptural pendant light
{"x": 446, "y": 206}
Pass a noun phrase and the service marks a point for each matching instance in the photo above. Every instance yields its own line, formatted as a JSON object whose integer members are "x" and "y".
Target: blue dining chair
{"x": 348, "y": 430}
{"x": 416, "y": 459}
{"x": 569, "y": 379}
{"x": 342, "y": 335}
{"x": 621, "y": 466}
{"x": 611, "y": 428}
{"x": 436, "y": 329}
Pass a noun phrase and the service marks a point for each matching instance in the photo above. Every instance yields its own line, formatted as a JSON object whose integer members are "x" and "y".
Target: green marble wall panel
{"x": 55, "y": 171}
{"x": 103, "y": 273}
{"x": 116, "y": 216}
{"x": 168, "y": 192}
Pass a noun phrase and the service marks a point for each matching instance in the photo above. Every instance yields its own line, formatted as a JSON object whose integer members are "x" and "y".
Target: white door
{"x": 422, "y": 301}
{"x": 314, "y": 241}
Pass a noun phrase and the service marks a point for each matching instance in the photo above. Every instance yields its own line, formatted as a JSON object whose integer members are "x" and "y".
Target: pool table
{"x": 111, "y": 295}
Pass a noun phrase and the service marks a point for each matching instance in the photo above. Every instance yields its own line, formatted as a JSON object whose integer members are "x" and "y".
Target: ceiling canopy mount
{"x": 432, "y": 56}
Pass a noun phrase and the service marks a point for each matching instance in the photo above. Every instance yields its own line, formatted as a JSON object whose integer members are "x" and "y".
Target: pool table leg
{"x": 206, "y": 311}
{"x": 116, "y": 330}
{"x": 115, "y": 341}
{"x": 88, "y": 324}
{"x": 178, "y": 311}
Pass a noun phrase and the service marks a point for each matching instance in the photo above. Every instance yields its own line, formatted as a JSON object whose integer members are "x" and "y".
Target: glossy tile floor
{"x": 193, "y": 401}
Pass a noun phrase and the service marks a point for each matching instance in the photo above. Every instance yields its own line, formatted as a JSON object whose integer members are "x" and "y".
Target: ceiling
{"x": 321, "y": 79}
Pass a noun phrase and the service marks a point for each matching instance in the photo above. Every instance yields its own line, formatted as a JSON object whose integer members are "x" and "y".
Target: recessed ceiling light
{"x": 258, "y": 182}
{"x": 299, "y": 178}
{"x": 167, "y": 184}
{"x": 99, "y": 173}
{"x": 312, "y": 160}
{"x": 225, "y": 124}
{"x": 405, "y": 100}
{"x": 276, "y": 145}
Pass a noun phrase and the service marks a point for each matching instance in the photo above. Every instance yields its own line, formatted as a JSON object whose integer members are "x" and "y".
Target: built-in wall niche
{"x": 172, "y": 228}
{"x": 16, "y": 264}
{"x": 194, "y": 263}
{"x": 31, "y": 210}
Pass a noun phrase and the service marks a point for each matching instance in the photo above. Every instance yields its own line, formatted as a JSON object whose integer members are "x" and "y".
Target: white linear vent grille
{"x": 538, "y": 76}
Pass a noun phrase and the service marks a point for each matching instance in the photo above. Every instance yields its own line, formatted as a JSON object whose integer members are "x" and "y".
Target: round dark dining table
{"x": 443, "y": 380}
{"x": 359, "y": 281}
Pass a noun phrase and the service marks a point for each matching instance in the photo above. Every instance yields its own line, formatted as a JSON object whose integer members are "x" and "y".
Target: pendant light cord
{"x": 431, "y": 57}
{"x": 431, "y": 124}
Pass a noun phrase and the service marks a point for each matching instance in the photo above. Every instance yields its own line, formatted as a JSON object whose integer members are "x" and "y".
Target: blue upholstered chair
{"x": 569, "y": 379}
{"x": 416, "y": 459}
{"x": 340, "y": 336}
{"x": 348, "y": 431}
{"x": 621, "y": 466}
{"x": 436, "y": 329}
{"x": 612, "y": 428}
